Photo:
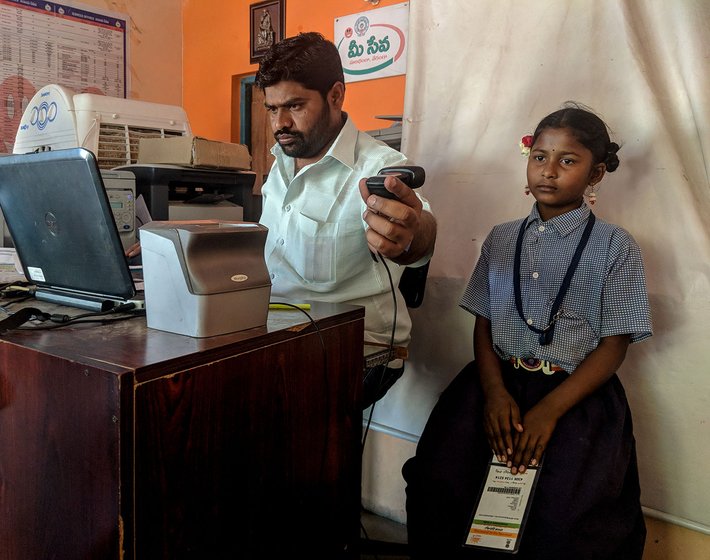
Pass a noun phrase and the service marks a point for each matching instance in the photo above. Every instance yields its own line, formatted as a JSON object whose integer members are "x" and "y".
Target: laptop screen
{"x": 60, "y": 220}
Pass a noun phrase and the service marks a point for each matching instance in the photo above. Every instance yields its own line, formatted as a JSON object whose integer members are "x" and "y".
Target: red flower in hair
{"x": 525, "y": 144}
{"x": 527, "y": 140}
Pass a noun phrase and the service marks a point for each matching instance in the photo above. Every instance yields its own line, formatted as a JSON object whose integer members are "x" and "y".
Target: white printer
{"x": 205, "y": 277}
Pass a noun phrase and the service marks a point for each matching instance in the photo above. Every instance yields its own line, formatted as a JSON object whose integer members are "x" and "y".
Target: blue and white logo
{"x": 43, "y": 115}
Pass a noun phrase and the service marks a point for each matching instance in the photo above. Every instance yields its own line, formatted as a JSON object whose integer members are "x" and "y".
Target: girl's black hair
{"x": 307, "y": 58}
{"x": 591, "y": 131}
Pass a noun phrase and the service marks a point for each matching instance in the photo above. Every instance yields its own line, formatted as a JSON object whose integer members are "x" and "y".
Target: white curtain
{"x": 481, "y": 74}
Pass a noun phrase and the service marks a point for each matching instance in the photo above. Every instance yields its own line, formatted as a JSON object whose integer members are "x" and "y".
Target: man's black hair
{"x": 308, "y": 58}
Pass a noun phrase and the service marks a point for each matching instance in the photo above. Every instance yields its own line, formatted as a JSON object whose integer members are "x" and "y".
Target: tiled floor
{"x": 382, "y": 538}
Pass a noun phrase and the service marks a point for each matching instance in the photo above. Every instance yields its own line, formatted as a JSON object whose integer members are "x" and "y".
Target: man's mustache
{"x": 288, "y": 131}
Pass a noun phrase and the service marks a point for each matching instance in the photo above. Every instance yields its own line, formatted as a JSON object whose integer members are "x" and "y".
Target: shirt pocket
{"x": 573, "y": 333}
{"x": 328, "y": 251}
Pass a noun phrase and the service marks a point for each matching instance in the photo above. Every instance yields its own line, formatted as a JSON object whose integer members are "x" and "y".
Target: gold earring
{"x": 591, "y": 195}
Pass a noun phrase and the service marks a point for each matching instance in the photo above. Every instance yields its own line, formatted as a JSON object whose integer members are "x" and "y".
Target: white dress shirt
{"x": 316, "y": 247}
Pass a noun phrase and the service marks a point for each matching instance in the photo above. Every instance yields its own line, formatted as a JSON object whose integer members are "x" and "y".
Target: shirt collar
{"x": 566, "y": 223}
{"x": 343, "y": 149}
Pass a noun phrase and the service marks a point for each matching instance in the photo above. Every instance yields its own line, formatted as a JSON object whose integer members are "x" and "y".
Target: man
{"x": 324, "y": 227}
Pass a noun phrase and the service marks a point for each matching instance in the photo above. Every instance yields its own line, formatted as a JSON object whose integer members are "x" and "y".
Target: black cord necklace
{"x": 547, "y": 333}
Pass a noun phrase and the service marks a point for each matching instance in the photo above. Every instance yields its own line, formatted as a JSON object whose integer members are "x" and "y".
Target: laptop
{"x": 60, "y": 220}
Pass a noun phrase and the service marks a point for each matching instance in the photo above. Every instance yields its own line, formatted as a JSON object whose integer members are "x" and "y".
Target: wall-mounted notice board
{"x": 84, "y": 49}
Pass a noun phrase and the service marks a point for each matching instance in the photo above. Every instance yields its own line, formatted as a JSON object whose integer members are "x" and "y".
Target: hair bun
{"x": 612, "y": 160}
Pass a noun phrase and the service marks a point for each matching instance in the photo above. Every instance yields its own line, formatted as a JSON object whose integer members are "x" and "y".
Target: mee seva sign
{"x": 373, "y": 44}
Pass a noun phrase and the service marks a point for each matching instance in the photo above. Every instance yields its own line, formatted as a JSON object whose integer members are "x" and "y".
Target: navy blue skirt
{"x": 587, "y": 503}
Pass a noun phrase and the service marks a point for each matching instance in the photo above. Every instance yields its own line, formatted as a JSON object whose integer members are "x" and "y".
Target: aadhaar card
{"x": 499, "y": 517}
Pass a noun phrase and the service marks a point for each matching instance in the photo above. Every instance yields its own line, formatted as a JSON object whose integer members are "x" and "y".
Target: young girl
{"x": 558, "y": 297}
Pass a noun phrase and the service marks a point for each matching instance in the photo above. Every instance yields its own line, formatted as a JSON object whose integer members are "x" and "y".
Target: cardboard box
{"x": 194, "y": 151}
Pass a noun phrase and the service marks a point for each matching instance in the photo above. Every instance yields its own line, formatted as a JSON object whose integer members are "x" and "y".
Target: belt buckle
{"x": 534, "y": 364}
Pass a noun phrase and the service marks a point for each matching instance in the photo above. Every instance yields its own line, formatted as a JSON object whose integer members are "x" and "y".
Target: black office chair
{"x": 413, "y": 283}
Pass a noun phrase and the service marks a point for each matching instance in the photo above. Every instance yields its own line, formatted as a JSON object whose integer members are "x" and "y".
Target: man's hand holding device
{"x": 393, "y": 210}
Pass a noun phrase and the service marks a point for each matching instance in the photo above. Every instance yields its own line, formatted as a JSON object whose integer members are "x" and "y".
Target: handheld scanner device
{"x": 411, "y": 175}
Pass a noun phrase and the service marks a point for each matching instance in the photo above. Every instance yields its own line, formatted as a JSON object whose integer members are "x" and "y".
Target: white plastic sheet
{"x": 483, "y": 73}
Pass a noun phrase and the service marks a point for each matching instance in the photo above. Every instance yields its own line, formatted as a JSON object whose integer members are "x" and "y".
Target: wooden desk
{"x": 121, "y": 441}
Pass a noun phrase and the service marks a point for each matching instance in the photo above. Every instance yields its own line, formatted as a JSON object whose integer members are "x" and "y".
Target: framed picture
{"x": 266, "y": 26}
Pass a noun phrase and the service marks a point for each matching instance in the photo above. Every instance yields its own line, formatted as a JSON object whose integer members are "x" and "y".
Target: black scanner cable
{"x": 56, "y": 320}
{"x": 20, "y": 317}
{"x": 391, "y": 345}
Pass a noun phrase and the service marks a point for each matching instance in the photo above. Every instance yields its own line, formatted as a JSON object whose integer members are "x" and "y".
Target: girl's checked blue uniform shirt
{"x": 607, "y": 295}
